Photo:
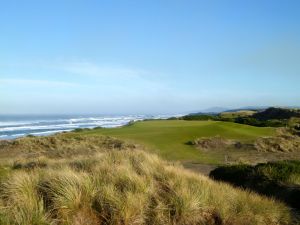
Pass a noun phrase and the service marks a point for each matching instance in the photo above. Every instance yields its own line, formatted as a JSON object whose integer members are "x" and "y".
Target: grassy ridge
{"x": 169, "y": 138}
{"x": 61, "y": 145}
{"x": 125, "y": 187}
{"x": 270, "y": 117}
{"x": 240, "y": 113}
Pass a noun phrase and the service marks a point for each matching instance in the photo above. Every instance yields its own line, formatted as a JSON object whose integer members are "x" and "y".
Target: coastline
{"x": 13, "y": 128}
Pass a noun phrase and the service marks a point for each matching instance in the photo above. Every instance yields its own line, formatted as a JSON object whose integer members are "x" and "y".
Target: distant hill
{"x": 214, "y": 110}
{"x": 239, "y": 113}
{"x": 248, "y": 108}
{"x": 217, "y": 110}
{"x": 255, "y": 116}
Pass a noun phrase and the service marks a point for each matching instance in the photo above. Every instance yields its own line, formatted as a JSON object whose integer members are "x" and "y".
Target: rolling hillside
{"x": 169, "y": 138}
{"x": 79, "y": 179}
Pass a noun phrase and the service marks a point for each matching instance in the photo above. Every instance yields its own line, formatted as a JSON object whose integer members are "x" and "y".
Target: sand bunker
{"x": 216, "y": 142}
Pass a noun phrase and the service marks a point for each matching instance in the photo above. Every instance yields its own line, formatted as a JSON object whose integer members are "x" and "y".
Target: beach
{"x": 15, "y": 126}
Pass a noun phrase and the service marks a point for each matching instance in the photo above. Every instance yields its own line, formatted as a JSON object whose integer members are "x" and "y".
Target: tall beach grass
{"x": 123, "y": 188}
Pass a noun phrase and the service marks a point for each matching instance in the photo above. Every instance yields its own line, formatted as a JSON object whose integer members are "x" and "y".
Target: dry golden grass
{"x": 123, "y": 188}
{"x": 240, "y": 113}
{"x": 284, "y": 141}
{"x": 69, "y": 179}
{"x": 66, "y": 145}
{"x": 216, "y": 142}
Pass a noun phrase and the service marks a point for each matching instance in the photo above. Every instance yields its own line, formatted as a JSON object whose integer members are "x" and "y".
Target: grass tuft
{"x": 101, "y": 180}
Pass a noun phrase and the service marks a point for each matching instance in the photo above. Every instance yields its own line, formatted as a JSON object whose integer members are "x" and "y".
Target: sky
{"x": 147, "y": 57}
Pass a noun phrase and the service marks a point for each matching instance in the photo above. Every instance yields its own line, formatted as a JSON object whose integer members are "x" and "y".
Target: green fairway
{"x": 168, "y": 138}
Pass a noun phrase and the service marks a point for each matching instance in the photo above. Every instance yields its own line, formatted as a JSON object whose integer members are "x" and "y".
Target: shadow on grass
{"x": 280, "y": 180}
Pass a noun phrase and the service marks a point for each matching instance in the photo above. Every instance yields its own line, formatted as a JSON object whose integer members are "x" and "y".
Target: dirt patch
{"x": 199, "y": 168}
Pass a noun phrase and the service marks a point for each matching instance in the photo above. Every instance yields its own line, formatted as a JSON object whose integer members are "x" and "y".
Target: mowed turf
{"x": 168, "y": 138}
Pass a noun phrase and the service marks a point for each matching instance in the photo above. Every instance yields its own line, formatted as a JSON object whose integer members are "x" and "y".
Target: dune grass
{"x": 125, "y": 187}
{"x": 276, "y": 179}
{"x": 236, "y": 114}
{"x": 169, "y": 138}
{"x": 69, "y": 145}
{"x": 86, "y": 177}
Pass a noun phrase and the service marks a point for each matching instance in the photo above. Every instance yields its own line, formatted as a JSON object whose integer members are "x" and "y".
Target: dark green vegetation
{"x": 199, "y": 117}
{"x": 271, "y": 117}
{"x": 274, "y": 179}
{"x": 276, "y": 114}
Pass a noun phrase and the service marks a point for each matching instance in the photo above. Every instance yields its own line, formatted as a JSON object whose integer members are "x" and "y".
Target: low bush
{"x": 199, "y": 117}
{"x": 275, "y": 179}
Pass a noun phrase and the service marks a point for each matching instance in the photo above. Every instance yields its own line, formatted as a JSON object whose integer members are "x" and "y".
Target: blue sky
{"x": 132, "y": 56}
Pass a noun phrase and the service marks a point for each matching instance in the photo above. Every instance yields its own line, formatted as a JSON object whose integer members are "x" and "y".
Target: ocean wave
{"x": 18, "y": 135}
{"x": 51, "y": 127}
{"x": 43, "y": 126}
{"x": 63, "y": 126}
{"x": 72, "y": 124}
{"x": 7, "y": 124}
{"x": 48, "y": 132}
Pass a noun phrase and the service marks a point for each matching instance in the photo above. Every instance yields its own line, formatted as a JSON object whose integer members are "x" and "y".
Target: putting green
{"x": 168, "y": 137}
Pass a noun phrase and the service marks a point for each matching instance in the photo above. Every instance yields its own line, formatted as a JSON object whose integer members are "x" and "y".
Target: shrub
{"x": 275, "y": 179}
{"x": 199, "y": 117}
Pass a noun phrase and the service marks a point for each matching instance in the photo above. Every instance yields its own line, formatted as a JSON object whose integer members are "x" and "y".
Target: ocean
{"x": 16, "y": 126}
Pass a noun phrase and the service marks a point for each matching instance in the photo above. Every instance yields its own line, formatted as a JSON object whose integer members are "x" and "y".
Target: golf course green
{"x": 168, "y": 138}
